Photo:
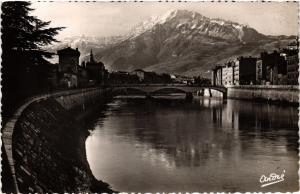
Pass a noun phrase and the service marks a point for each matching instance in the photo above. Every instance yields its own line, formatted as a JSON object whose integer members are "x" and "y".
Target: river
{"x": 168, "y": 145}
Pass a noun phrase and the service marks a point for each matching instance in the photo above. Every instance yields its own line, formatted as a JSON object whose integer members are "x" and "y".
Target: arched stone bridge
{"x": 149, "y": 89}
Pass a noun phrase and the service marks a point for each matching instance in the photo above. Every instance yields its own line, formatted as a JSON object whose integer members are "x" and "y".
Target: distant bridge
{"x": 149, "y": 89}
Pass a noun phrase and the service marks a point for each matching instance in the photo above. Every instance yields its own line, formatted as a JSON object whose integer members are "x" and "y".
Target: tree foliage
{"x": 21, "y": 31}
{"x": 202, "y": 81}
{"x": 25, "y": 69}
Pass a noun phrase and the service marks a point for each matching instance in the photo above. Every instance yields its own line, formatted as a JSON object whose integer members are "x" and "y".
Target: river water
{"x": 168, "y": 145}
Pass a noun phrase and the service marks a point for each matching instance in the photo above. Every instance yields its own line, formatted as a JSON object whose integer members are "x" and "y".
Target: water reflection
{"x": 207, "y": 145}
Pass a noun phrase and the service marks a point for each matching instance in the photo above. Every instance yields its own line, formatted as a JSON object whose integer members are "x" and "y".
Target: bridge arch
{"x": 156, "y": 88}
{"x": 119, "y": 90}
{"x": 219, "y": 89}
{"x": 167, "y": 89}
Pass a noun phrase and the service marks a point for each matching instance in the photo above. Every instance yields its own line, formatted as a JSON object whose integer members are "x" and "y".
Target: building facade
{"x": 236, "y": 72}
{"x": 293, "y": 70}
{"x": 95, "y": 70}
{"x": 259, "y": 72}
{"x": 292, "y": 66}
{"x": 139, "y": 73}
{"x": 71, "y": 74}
{"x": 228, "y": 73}
{"x": 68, "y": 61}
{"x": 276, "y": 68}
{"x": 247, "y": 70}
{"x": 217, "y": 76}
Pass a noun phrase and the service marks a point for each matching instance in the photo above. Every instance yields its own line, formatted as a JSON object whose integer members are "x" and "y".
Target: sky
{"x": 107, "y": 19}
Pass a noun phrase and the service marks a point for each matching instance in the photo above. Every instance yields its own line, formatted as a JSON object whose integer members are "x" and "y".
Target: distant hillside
{"x": 183, "y": 42}
{"x": 85, "y": 44}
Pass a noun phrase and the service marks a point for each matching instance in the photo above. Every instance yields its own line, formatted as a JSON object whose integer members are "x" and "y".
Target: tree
{"x": 24, "y": 62}
{"x": 202, "y": 81}
{"x": 20, "y": 31}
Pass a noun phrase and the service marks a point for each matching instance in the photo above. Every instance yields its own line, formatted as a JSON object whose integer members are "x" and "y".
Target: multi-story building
{"x": 242, "y": 71}
{"x": 245, "y": 71}
{"x": 122, "y": 77}
{"x": 228, "y": 73}
{"x": 292, "y": 64}
{"x": 259, "y": 72}
{"x": 217, "y": 76}
{"x": 275, "y": 68}
{"x": 292, "y": 70}
{"x": 236, "y": 72}
{"x": 139, "y": 73}
{"x": 71, "y": 74}
{"x": 293, "y": 45}
{"x": 213, "y": 77}
{"x": 224, "y": 75}
{"x": 68, "y": 60}
{"x": 95, "y": 70}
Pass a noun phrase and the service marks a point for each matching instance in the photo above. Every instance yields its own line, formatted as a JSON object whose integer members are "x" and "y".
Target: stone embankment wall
{"x": 81, "y": 104}
{"x": 285, "y": 94}
{"x": 45, "y": 143}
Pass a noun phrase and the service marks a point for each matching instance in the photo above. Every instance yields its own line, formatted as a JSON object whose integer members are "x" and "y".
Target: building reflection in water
{"x": 207, "y": 133}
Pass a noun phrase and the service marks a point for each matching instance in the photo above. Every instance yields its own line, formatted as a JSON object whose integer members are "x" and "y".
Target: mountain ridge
{"x": 184, "y": 42}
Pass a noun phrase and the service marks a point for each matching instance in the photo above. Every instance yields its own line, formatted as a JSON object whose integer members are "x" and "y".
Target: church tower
{"x": 92, "y": 57}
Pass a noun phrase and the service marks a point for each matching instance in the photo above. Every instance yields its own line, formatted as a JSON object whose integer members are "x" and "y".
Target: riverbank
{"x": 46, "y": 145}
{"x": 278, "y": 94}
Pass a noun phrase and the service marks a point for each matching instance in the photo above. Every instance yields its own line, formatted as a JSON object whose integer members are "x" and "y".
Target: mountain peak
{"x": 181, "y": 15}
{"x": 191, "y": 23}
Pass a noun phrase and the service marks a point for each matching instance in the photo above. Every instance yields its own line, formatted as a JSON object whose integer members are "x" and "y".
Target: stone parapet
{"x": 36, "y": 129}
{"x": 275, "y": 93}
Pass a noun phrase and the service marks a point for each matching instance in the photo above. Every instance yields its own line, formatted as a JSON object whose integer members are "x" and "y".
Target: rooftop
{"x": 68, "y": 51}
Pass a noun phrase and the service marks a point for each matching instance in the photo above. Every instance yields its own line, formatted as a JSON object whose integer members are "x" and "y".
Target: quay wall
{"x": 81, "y": 99}
{"x": 271, "y": 93}
{"x": 44, "y": 144}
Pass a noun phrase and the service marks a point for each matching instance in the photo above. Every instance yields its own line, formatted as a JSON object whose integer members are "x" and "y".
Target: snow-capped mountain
{"x": 180, "y": 42}
{"x": 185, "y": 42}
{"x": 184, "y": 21}
{"x": 85, "y": 43}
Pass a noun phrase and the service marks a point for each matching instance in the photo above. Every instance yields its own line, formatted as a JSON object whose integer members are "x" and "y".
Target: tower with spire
{"x": 92, "y": 57}
{"x": 95, "y": 70}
